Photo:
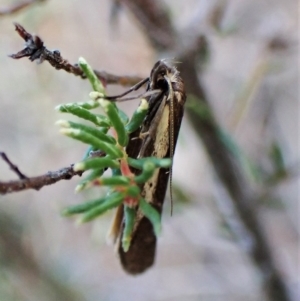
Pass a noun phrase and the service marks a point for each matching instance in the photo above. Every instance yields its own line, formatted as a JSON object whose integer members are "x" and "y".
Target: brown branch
{"x": 206, "y": 126}
{"x": 51, "y": 177}
{"x": 35, "y": 50}
{"x": 15, "y": 8}
{"x": 38, "y": 182}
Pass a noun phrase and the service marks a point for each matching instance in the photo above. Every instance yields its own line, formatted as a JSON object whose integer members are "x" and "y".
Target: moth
{"x": 156, "y": 137}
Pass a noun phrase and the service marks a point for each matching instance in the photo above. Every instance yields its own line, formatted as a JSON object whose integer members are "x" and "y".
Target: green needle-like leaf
{"x": 112, "y": 201}
{"x": 98, "y": 133}
{"x": 88, "y": 105}
{"x": 115, "y": 119}
{"x": 128, "y": 228}
{"x": 82, "y": 207}
{"x": 77, "y": 110}
{"x": 146, "y": 174}
{"x": 108, "y": 148}
{"x": 138, "y": 117}
{"x": 152, "y": 214}
{"x": 95, "y": 173}
{"x": 96, "y": 163}
{"x": 89, "y": 72}
{"x": 122, "y": 115}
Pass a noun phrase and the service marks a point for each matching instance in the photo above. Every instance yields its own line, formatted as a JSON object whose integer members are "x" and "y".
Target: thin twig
{"x": 13, "y": 167}
{"x": 38, "y": 182}
{"x": 51, "y": 177}
{"x": 35, "y": 50}
{"x": 227, "y": 168}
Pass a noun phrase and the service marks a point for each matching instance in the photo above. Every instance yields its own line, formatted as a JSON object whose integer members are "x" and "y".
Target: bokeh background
{"x": 250, "y": 75}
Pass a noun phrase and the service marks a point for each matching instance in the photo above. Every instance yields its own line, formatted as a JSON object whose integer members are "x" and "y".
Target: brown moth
{"x": 156, "y": 137}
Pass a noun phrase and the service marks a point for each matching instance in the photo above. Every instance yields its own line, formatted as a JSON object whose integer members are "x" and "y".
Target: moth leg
{"x": 154, "y": 123}
{"x": 154, "y": 103}
{"x": 151, "y": 132}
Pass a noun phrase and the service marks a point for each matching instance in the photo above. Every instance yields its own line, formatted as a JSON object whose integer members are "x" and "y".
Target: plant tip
{"x": 62, "y": 123}
{"x": 94, "y": 95}
{"x": 82, "y": 60}
{"x": 79, "y": 166}
{"x": 79, "y": 188}
{"x": 143, "y": 105}
{"x": 69, "y": 131}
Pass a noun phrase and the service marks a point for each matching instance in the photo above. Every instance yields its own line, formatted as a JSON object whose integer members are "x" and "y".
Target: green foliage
{"x": 137, "y": 117}
{"x": 152, "y": 215}
{"x": 116, "y": 121}
{"x": 88, "y": 71}
{"x": 130, "y": 214}
{"x": 123, "y": 185}
{"x": 83, "y": 113}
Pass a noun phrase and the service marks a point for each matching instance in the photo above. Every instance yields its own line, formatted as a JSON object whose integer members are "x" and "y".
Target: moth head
{"x": 157, "y": 77}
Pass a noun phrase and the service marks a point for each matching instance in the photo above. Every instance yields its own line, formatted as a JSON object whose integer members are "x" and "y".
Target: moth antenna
{"x": 133, "y": 88}
{"x": 143, "y": 95}
{"x": 171, "y": 136}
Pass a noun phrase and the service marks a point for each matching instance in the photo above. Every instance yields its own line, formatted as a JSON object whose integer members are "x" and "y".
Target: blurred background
{"x": 247, "y": 65}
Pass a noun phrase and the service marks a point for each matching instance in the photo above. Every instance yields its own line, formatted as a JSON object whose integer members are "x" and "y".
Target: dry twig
{"x": 36, "y": 183}
{"x": 35, "y": 50}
